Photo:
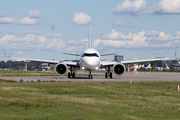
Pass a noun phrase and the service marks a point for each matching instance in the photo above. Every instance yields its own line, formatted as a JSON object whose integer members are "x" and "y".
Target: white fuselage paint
{"x": 90, "y": 62}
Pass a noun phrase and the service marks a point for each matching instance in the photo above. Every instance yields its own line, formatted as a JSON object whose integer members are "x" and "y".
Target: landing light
{"x": 83, "y": 68}
{"x": 96, "y": 68}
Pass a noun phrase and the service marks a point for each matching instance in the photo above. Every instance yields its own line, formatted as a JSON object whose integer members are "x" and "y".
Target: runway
{"x": 140, "y": 76}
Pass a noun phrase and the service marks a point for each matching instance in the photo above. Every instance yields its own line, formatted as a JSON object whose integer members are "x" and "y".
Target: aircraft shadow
{"x": 79, "y": 78}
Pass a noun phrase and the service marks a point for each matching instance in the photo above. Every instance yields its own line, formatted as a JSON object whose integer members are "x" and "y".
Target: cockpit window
{"x": 90, "y": 55}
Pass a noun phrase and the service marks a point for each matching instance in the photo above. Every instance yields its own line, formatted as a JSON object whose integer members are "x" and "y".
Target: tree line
{"x": 19, "y": 65}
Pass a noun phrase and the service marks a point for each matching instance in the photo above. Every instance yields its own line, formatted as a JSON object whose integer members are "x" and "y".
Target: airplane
{"x": 167, "y": 67}
{"x": 158, "y": 68}
{"x": 148, "y": 67}
{"x": 90, "y": 60}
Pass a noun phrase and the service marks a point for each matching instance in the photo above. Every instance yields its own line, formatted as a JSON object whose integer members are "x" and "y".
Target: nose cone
{"x": 90, "y": 63}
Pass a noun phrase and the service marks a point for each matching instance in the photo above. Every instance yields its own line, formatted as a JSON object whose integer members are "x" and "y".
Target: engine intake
{"x": 61, "y": 69}
{"x": 119, "y": 69}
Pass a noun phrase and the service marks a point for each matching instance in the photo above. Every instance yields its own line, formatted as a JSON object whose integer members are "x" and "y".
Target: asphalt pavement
{"x": 139, "y": 76}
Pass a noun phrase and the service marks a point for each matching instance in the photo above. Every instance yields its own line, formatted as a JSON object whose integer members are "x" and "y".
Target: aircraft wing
{"x": 107, "y": 63}
{"x": 34, "y": 60}
{"x": 111, "y": 63}
{"x": 145, "y": 60}
{"x": 68, "y": 63}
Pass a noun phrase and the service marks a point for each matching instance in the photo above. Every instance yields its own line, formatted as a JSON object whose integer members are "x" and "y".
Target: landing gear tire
{"x": 90, "y": 77}
{"x": 106, "y": 75}
{"x": 69, "y": 74}
{"x": 73, "y": 75}
{"x": 110, "y": 75}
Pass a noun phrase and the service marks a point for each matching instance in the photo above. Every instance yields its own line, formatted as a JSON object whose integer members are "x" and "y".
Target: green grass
{"x": 89, "y": 100}
{"x": 26, "y": 73}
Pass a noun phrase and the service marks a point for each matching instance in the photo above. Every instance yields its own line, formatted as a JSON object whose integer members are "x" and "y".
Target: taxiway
{"x": 140, "y": 76}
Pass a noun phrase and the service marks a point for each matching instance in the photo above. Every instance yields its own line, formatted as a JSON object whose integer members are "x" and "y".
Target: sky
{"x": 44, "y": 29}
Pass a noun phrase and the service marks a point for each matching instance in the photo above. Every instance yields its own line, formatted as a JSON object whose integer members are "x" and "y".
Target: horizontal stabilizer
{"x": 71, "y": 54}
{"x": 108, "y": 54}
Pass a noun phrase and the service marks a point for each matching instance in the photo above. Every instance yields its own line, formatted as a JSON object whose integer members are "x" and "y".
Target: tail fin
{"x": 5, "y": 53}
{"x": 175, "y": 52}
{"x": 90, "y": 46}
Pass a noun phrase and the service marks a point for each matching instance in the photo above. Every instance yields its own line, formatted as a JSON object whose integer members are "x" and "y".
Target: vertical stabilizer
{"x": 90, "y": 36}
{"x": 175, "y": 52}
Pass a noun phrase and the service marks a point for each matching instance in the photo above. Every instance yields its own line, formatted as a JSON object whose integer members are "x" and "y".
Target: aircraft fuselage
{"x": 90, "y": 59}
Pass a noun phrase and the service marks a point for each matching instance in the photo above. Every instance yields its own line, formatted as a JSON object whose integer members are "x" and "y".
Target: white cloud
{"x": 11, "y": 38}
{"x": 149, "y": 39}
{"x": 30, "y": 20}
{"x": 114, "y": 35}
{"x": 112, "y": 40}
{"x": 29, "y": 31}
{"x": 84, "y": 40}
{"x": 55, "y": 35}
{"x": 34, "y": 14}
{"x": 8, "y": 20}
{"x": 33, "y": 42}
{"x": 96, "y": 42}
{"x": 166, "y": 7}
{"x": 55, "y": 44}
{"x": 152, "y": 33}
{"x": 20, "y": 53}
{"x": 3, "y": 15}
{"x": 161, "y": 37}
{"x": 28, "y": 38}
{"x": 27, "y": 21}
{"x": 77, "y": 45}
{"x": 81, "y": 18}
{"x": 121, "y": 24}
{"x": 136, "y": 7}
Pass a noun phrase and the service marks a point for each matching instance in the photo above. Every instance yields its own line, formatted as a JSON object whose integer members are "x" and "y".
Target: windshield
{"x": 90, "y": 55}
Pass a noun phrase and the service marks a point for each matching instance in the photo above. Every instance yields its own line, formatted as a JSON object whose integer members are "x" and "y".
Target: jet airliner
{"x": 90, "y": 60}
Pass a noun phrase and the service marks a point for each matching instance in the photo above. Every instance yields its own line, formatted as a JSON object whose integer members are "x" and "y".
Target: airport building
{"x": 174, "y": 62}
{"x": 118, "y": 58}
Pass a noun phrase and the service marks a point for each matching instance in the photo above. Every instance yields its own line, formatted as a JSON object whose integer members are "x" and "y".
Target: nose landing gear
{"x": 90, "y": 76}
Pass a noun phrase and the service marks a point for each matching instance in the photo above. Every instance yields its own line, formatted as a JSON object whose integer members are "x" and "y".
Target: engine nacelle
{"x": 61, "y": 69}
{"x": 119, "y": 69}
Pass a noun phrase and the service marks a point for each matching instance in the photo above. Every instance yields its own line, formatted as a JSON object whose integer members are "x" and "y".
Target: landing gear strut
{"x": 90, "y": 76}
{"x": 108, "y": 73}
{"x": 71, "y": 73}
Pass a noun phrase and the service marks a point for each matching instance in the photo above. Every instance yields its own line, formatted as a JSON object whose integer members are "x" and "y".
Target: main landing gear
{"x": 71, "y": 73}
{"x": 90, "y": 76}
{"x": 108, "y": 73}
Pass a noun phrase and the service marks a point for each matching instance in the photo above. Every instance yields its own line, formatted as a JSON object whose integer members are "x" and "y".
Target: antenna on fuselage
{"x": 90, "y": 35}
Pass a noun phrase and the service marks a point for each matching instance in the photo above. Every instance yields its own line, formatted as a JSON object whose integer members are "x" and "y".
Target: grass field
{"x": 26, "y": 73}
{"x": 89, "y": 100}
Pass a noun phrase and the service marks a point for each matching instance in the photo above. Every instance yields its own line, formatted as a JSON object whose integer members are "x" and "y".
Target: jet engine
{"x": 61, "y": 69}
{"x": 118, "y": 69}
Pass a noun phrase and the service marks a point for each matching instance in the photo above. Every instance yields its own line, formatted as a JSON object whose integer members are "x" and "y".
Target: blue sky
{"x": 44, "y": 29}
